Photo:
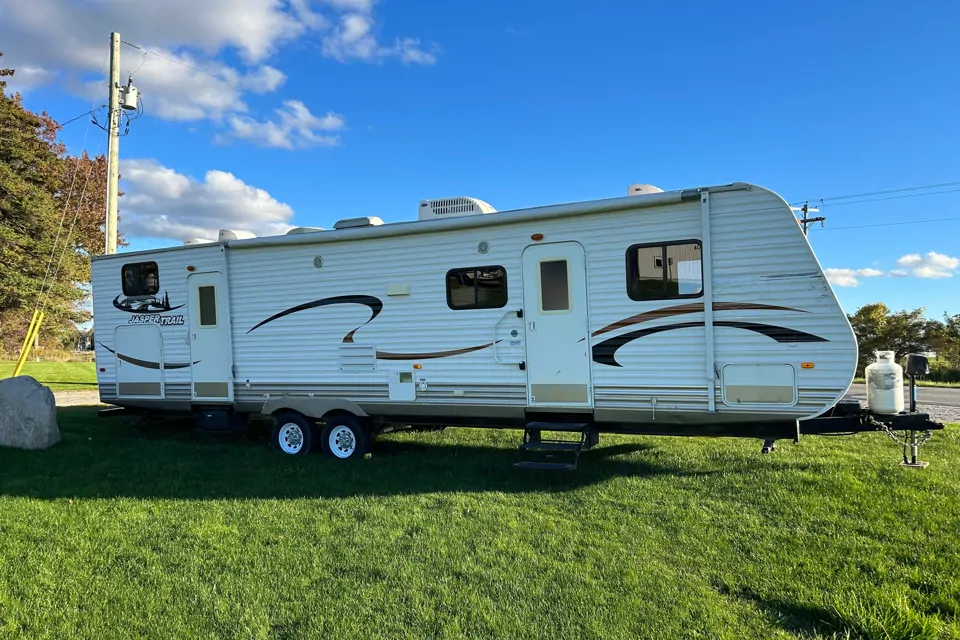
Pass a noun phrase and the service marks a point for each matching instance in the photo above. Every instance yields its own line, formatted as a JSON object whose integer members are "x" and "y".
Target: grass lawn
{"x": 59, "y": 376}
{"x": 129, "y": 530}
{"x": 920, "y": 383}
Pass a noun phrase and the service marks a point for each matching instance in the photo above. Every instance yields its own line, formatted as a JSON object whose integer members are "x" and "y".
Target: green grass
{"x": 130, "y": 530}
{"x": 59, "y": 376}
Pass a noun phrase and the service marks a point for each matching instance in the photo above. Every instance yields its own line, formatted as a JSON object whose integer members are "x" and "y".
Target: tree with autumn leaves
{"x": 51, "y": 204}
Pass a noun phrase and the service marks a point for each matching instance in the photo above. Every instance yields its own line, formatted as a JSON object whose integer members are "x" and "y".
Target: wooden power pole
{"x": 805, "y": 221}
{"x": 113, "y": 144}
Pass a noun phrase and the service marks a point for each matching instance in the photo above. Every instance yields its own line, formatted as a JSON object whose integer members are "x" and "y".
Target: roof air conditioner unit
{"x": 298, "y": 230}
{"x": 234, "y": 234}
{"x": 643, "y": 189}
{"x": 198, "y": 241}
{"x": 453, "y": 208}
{"x": 353, "y": 223}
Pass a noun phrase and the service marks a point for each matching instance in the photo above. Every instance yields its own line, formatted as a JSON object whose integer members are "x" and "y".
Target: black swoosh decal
{"x": 606, "y": 351}
{"x": 147, "y": 364}
{"x": 375, "y": 305}
{"x": 116, "y": 304}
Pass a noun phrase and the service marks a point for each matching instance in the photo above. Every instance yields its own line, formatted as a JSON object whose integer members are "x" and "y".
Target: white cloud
{"x": 850, "y": 277}
{"x": 931, "y": 265}
{"x": 65, "y": 41}
{"x": 293, "y": 128}
{"x": 409, "y": 51}
{"x": 161, "y": 203}
{"x": 354, "y": 38}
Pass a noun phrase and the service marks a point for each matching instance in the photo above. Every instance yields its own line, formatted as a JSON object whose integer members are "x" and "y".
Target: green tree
{"x": 35, "y": 198}
{"x": 880, "y": 329}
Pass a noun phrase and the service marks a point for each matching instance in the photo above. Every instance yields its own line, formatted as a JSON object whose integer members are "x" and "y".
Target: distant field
{"x": 59, "y": 376}
{"x": 130, "y": 530}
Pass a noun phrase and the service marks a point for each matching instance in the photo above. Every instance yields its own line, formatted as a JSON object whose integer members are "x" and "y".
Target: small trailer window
{"x": 664, "y": 271}
{"x": 140, "y": 279}
{"x": 477, "y": 288}
{"x": 208, "y": 305}
{"x": 554, "y": 286}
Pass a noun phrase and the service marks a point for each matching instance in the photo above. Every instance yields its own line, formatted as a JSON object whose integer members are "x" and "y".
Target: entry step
{"x": 546, "y": 466}
{"x": 578, "y": 427}
{"x": 573, "y": 446}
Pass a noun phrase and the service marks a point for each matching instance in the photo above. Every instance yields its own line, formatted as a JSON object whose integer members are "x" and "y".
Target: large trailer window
{"x": 665, "y": 271}
{"x": 477, "y": 288}
{"x": 140, "y": 279}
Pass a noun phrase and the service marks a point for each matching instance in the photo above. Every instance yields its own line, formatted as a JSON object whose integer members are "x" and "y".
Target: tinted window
{"x": 554, "y": 286}
{"x": 477, "y": 288}
{"x": 140, "y": 279}
{"x": 664, "y": 271}
{"x": 208, "y": 306}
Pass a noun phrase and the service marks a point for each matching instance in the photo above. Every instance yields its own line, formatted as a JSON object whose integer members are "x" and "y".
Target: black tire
{"x": 293, "y": 434}
{"x": 345, "y": 438}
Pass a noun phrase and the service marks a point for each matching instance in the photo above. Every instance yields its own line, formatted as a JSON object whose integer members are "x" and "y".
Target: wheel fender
{"x": 314, "y": 408}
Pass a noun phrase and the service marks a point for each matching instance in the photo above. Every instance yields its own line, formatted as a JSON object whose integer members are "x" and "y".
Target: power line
{"x": 891, "y": 224}
{"x": 888, "y": 191}
{"x": 909, "y": 195}
{"x": 824, "y": 202}
{"x": 85, "y": 113}
{"x": 180, "y": 62}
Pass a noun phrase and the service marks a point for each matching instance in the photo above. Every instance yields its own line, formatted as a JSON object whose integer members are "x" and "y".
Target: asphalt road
{"x": 939, "y": 396}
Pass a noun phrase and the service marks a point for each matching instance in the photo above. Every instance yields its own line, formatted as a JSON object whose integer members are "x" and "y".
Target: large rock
{"x": 28, "y": 414}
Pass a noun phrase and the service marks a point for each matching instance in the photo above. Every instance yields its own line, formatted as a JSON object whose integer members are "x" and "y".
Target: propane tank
{"x": 885, "y": 385}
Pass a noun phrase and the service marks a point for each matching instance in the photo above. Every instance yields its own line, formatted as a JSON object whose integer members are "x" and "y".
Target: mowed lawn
{"x": 131, "y": 530}
{"x": 59, "y": 376}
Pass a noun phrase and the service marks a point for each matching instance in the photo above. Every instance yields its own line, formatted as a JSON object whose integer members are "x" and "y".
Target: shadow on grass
{"x": 121, "y": 457}
{"x": 853, "y": 615}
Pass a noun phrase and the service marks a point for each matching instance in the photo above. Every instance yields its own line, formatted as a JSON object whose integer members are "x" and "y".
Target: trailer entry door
{"x": 557, "y": 326}
{"x": 211, "y": 353}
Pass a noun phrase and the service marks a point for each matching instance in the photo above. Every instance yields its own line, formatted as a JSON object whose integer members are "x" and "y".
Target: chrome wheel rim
{"x": 291, "y": 438}
{"x": 342, "y": 442}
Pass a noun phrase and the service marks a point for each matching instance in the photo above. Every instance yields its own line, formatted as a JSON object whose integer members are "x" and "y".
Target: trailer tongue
{"x": 849, "y": 417}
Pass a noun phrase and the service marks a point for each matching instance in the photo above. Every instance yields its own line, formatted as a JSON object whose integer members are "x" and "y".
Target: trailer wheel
{"x": 293, "y": 434}
{"x": 345, "y": 437}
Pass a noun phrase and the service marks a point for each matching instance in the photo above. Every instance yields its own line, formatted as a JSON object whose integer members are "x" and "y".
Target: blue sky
{"x": 521, "y": 104}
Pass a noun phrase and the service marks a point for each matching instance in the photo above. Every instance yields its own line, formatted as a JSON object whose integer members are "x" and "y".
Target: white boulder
{"x": 28, "y": 414}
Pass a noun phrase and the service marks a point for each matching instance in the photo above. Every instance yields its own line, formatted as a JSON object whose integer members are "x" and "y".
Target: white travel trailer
{"x": 693, "y": 312}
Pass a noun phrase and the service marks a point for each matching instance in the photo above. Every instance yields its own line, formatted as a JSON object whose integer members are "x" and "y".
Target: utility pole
{"x": 113, "y": 144}
{"x": 805, "y": 221}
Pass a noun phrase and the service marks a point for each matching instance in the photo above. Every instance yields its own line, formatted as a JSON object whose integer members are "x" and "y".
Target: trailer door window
{"x": 208, "y": 306}
{"x": 554, "y": 286}
{"x": 664, "y": 271}
{"x": 141, "y": 279}
{"x": 477, "y": 288}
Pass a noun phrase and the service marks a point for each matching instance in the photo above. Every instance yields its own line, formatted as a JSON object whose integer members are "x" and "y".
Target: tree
{"x": 903, "y": 332}
{"x": 947, "y": 341}
{"x": 41, "y": 260}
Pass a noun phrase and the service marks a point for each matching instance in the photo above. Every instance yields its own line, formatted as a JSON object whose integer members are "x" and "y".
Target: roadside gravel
{"x": 76, "y": 398}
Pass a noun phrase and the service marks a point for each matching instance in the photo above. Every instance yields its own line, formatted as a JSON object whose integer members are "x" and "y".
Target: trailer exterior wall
{"x": 107, "y": 288}
{"x": 341, "y": 315}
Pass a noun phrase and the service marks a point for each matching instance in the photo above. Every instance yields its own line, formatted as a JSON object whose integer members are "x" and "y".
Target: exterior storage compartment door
{"x": 139, "y": 361}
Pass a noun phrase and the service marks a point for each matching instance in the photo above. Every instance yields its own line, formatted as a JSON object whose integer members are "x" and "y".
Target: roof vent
{"x": 353, "y": 223}
{"x": 234, "y": 234}
{"x": 453, "y": 208}
{"x": 643, "y": 189}
{"x": 198, "y": 241}
{"x": 298, "y": 230}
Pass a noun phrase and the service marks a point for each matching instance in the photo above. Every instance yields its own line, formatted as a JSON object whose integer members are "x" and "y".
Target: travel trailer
{"x": 695, "y": 312}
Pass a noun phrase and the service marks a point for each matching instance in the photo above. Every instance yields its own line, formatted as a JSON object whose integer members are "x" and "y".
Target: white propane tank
{"x": 885, "y": 385}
